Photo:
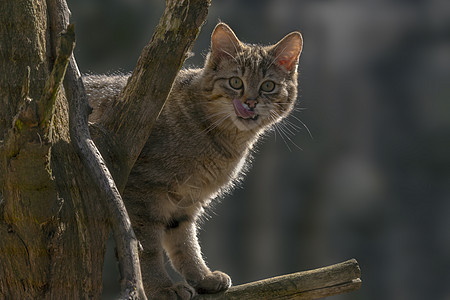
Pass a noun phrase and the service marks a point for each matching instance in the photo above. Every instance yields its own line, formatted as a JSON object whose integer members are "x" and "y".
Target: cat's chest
{"x": 208, "y": 177}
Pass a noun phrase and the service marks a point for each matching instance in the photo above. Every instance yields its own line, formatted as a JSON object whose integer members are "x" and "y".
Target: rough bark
{"x": 48, "y": 245}
{"x": 52, "y": 225}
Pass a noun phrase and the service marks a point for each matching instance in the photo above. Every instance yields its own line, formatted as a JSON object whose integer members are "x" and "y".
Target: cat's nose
{"x": 251, "y": 103}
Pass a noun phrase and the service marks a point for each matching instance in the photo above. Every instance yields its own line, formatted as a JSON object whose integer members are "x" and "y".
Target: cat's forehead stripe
{"x": 254, "y": 57}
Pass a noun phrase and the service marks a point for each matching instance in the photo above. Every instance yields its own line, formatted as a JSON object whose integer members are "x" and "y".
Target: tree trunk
{"x": 52, "y": 226}
{"x": 53, "y": 218}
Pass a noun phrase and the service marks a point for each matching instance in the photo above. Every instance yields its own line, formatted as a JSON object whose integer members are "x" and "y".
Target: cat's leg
{"x": 183, "y": 249}
{"x": 157, "y": 283}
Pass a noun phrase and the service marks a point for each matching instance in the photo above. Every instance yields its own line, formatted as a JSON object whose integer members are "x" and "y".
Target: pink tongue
{"x": 241, "y": 111}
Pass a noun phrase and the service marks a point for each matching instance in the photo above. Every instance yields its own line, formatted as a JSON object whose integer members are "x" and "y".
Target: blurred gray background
{"x": 373, "y": 181}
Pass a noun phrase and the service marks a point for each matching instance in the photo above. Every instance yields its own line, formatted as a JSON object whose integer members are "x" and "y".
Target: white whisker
{"x": 273, "y": 115}
{"x": 218, "y": 122}
{"x": 298, "y": 109}
{"x": 287, "y": 129}
{"x": 211, "y": 116}
{"x": 290, "y": 140}
{"x": 283, "y": 137}
{"x": 292, "y": 125}
{"x": 284, "y": 131}
{"x": 304, "y": 125}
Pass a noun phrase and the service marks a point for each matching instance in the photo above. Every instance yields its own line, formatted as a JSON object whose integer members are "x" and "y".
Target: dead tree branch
{"x": 132, "y": 116}
{"x": 314, "y": 284}
{"x": 126, "y": 242}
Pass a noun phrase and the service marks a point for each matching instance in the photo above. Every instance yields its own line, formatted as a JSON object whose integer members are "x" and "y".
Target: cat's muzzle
{"x": 244, "y": 112}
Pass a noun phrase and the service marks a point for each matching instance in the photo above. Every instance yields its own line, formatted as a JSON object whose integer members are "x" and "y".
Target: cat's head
{"x": 250, "y": 85}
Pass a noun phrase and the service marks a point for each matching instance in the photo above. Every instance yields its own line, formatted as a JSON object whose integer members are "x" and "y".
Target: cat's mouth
{"x": 243, "y": 112}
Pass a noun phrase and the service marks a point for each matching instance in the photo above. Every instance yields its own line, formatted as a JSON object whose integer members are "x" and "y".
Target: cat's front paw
{"x": 212, "y": 283}
{"x": 177, "y": 291}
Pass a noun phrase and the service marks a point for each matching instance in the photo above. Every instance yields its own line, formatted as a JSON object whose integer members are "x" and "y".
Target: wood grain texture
{"x": 314, "y": 284}
{"x": 52, "y": 228}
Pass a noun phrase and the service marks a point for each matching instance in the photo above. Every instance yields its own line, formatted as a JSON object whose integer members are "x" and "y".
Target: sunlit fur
{"x": 198, "y": 149}
{"x": 253, "y": 64}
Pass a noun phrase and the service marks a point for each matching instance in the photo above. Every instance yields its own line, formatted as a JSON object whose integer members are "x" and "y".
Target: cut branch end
{"x": 314, "y": 284}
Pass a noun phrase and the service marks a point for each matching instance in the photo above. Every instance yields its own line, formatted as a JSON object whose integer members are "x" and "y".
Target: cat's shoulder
{"x": 187, "y": 77}
{"x": 101, "y": 81}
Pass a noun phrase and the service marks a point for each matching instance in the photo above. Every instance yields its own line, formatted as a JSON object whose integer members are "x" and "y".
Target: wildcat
{"x": 198, "y": 149}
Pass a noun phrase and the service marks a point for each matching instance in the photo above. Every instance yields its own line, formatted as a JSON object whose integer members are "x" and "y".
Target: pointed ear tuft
{"x": 287, "y": 51}
{"x": 224, "y": 42}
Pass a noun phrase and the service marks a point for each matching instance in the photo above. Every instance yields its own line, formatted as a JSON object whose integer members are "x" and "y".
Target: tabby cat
{"x": 198, "y": 148}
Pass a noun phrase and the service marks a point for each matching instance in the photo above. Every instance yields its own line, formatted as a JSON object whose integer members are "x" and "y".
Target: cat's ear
{"x": 224, "y": 42}
{"x": 287, "y": 51}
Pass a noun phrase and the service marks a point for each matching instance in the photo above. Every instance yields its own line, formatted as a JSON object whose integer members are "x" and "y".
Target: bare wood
{"x": 314, "y": 284}
{"x": 126, "y": 242}
{"x": 125, "y": 239}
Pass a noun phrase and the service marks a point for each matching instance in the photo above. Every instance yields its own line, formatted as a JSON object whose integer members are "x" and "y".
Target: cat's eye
{"x": 236, "y": 83}
{"x": 268, "y": 86}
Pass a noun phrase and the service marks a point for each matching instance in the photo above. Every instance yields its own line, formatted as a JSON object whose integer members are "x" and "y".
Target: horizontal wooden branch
{"x": 314, "y": 284}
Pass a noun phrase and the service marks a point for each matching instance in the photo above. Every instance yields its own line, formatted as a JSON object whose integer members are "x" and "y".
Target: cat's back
{"x": 102, "y": 90}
